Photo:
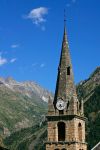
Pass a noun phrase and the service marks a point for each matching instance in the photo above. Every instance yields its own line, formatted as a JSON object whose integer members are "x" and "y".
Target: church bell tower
{"x": 66, "y": 121}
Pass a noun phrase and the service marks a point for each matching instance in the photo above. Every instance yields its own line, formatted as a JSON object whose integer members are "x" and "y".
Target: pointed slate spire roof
{"x": 65, "y": 88}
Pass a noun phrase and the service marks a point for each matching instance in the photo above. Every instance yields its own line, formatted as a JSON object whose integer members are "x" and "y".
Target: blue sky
{"x": 31, "y": 36}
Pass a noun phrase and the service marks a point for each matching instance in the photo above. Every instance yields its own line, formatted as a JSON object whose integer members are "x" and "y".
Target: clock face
{"x": 60, "y": 104}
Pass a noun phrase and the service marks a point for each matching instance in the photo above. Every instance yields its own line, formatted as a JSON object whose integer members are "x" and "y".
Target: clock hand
{"x": 60, "y": 105}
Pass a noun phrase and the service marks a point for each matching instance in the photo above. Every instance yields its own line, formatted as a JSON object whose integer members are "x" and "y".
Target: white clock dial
{"x": 60, "y": 104}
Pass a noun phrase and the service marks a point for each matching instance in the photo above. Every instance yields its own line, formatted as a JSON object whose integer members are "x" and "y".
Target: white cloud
{"x": 13, "y": 60}
{"x": 37, "y": 65}
{"x": 14, "y": 45}
{"x": 42, "y": 65}
{"x": 2, "y": 61}
{"x": 37, "y": 15}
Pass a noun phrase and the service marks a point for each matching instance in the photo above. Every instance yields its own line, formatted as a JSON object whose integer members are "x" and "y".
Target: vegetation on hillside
{"x": 34, "y": 137}
{"x": 92, "y": 112}
{"x": 18, "y": 111}
{"x": 28, "y": 138}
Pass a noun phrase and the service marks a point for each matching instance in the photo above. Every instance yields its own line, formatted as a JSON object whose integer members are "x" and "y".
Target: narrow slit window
{"x": 68, "y": 70}
{"x": 80, "y": 131}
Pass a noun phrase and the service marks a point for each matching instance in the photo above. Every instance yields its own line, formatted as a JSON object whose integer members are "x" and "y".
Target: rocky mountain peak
{"x": 28, "y": 88}
{"x": 95, "y": 76}
{"x": 10, "y": 80}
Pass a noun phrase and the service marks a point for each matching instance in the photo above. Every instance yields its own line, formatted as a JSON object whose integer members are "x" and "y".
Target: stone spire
{"x": 65, "y": 88}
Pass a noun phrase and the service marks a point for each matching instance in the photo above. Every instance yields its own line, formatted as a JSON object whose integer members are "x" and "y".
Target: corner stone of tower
{"x": 50, "y": 106}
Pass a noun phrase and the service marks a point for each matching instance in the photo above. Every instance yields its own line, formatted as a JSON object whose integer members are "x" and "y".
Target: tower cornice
{"x": 65, "y": 117}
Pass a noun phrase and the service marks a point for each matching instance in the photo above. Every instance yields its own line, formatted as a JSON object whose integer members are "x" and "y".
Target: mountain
{"x": 28, "y": 88}
{"x": 22, "y": 104}
{"x": 89, "y": 91}
{"x": 34, "y": 136}
{"x": 86, "y": 88}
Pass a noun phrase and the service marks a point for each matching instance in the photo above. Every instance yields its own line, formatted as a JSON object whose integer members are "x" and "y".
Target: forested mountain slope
{"x": 34, "y": 137}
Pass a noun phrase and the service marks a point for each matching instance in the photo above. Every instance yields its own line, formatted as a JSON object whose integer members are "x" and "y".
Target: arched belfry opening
{"x": 63, "y": 149}
{"x": 57, "y": 149}
{"x": 61, "y": 131}
{"x": 80, "y": 131}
